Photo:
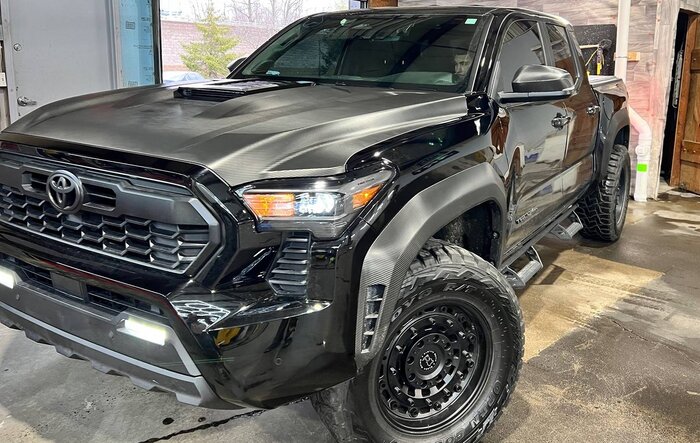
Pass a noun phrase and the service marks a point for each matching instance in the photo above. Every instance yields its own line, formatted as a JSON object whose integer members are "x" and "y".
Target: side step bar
{"x": 563, "y": 232}
{"x": 564, "y": 228}
{"x": 518, "y": 279}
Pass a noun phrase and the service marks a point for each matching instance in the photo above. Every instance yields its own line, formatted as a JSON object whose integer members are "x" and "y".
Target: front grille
{"x": 149, "y": 223}
{"x": 160, "y": 244}
{"x": 95, "y": 196}
{"x": 289, "y": 274}
{"x": 106, "y": 301}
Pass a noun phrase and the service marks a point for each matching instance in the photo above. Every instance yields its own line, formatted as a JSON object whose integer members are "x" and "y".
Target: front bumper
{"x": 273, "y": 360}
{"x": 272, "y": 347}
{"x": 22, "y": 306}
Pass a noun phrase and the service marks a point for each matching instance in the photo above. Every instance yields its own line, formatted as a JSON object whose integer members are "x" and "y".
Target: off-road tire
{"x": 442, "y": 275}
{"x": 598, "y": 210}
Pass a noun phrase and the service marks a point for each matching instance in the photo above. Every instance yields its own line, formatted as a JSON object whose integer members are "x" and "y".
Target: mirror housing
{"x": 236, "y": 63}
{"x": 539, "y": 83}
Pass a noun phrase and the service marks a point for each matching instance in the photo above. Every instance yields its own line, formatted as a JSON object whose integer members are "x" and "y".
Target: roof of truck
{"x": 457, "y": 10}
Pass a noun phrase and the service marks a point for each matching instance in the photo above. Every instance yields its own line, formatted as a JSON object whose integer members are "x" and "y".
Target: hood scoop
{"x": 223, "y": 90}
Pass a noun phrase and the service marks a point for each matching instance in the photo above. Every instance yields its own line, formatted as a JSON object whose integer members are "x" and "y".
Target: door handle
{"x": 593, "y": 110}
{"x": 560, "y": 121}
{"x": 25, "y": 101}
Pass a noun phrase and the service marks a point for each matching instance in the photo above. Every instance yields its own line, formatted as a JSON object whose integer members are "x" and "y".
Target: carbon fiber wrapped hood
{"x": 281, "y": 129}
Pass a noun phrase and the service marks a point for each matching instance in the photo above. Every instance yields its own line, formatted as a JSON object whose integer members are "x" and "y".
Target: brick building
{"x": 176, "y": 33}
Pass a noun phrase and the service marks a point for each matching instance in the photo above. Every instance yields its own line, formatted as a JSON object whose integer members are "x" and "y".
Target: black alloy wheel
{"x": 432, "y": 367}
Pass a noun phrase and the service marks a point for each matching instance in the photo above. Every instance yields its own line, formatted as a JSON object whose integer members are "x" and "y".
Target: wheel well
{"x": 623, "y": 137}
{"x": 474, "y": 231}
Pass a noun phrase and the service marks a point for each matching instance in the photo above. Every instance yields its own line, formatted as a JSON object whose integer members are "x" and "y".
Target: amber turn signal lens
{"x": 271, "y": 205}
{"x": 360, "y": 199}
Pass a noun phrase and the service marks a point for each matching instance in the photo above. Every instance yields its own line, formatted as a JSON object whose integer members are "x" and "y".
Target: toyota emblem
{"x": 65, "y": 191}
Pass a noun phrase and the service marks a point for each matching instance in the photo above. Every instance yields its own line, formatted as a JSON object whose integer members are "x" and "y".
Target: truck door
{"x": 536, "y": 136}
{"x": 583, "y": 110}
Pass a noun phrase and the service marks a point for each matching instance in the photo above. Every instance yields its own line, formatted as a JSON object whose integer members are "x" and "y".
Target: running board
{"x": 518, "y": 279}
{"x": 563, "y": 232}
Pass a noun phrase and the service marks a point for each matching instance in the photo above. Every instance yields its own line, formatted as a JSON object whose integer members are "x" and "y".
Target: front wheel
{"x": 449, "y": 363}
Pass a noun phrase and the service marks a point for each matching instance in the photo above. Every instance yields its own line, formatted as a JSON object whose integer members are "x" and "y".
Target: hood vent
{"x": 222, "y": 90}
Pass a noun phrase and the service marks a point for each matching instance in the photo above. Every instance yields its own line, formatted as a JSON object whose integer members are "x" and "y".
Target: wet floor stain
{"x": 571, "y": 292}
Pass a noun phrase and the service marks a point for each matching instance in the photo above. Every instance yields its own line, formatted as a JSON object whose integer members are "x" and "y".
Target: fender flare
{"x": 618, "y": 121}
{"x": 389, "y": 257}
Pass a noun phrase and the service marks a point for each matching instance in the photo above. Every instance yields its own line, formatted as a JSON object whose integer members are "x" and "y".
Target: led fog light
{"x": 7, "y": 278}
{"x": 145, "y": 330}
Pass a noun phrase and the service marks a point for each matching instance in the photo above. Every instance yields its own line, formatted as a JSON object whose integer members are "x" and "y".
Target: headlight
{"x": 324, "y": 206}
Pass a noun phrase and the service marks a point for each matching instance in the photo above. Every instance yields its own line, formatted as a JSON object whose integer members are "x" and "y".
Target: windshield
{"x": 436, "y": 52}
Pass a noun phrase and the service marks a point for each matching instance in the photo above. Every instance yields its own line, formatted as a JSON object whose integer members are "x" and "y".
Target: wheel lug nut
{"x": 432, "y": 321}
{"x": 458, "y": 388}
{"x": 399, "y": 348}
{"x": 471, "y": 338}
{"x": 410, "y": 360}
{"x": 411, "y": 377}
{"x": 413, "y": 412}
{"x": 462, "y": 335}
{"x": 414, "y": 331}
{"x": 392, "y": 370}
{"x": 436, "y": 339}
{"x": 465, "y": 353}
{"x": 411, "y": 401}
{"x": 470, "y": 363}
{"x": 450, "y": 323}
{"x": 393, "y": 405}
{"x": 437, "y": 406}
{"x": 420, "y": 344}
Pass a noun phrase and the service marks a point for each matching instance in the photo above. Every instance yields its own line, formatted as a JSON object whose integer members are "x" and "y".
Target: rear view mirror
{"x": 539, "y": 83}
{"x": 236, "y": 63}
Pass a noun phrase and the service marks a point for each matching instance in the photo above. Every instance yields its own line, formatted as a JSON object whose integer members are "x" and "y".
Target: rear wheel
{"x": 449, "y": 363}
{"x": 604, "y": 209}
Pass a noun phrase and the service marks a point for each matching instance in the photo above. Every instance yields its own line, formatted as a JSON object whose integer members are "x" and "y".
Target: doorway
{"x": 681, "y": 162}
{"x": 63, "y": 48}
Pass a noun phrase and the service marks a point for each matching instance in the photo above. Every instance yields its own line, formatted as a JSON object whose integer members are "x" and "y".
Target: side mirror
{"x": 236, "y": 63}
{"x": 539, "y": 83}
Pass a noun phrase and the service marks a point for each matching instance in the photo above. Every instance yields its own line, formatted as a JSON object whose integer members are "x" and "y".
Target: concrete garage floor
{"x": 612, "y": 354}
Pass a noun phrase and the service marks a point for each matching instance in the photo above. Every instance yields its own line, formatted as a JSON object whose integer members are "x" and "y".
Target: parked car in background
{"x": 173, "y": 77}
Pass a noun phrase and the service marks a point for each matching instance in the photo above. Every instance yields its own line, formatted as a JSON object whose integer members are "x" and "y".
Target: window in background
{"x": 214, "y": 23}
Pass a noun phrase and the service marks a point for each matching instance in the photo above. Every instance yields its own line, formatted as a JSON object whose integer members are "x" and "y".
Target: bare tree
{"x": 247, "y": 10}
{"x": 275, "y": 13}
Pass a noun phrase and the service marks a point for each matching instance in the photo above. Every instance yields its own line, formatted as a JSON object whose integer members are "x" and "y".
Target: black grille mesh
{"x": 102, "y": 299}
{"x": 163, "y": 245}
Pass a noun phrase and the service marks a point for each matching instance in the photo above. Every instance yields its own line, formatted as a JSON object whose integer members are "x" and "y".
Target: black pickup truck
{"x": 344, "y": 217}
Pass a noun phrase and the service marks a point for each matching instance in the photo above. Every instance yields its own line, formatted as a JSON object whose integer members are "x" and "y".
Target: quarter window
{"x": 522, "y": 45}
